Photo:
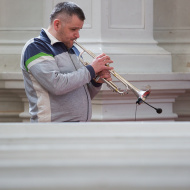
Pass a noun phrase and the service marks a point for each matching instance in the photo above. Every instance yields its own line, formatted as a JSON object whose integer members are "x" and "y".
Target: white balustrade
{"x": 96, "y": 156}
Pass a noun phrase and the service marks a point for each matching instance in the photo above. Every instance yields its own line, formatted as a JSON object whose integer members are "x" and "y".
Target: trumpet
{"x": 140, "y": 94}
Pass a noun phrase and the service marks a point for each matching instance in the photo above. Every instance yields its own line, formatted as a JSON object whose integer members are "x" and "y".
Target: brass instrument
{"x": 141, "y": 95}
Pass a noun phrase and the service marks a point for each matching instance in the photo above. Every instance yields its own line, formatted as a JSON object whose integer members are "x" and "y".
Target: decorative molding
{"x": 165, "y": 89}
{"x": 14, "y": 29}
{"x": 46, "y": 8}
{"x": 127, "y": 26}
{"x": 170, "y": 28}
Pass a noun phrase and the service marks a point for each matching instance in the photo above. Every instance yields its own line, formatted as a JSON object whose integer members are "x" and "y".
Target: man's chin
{"x": 69, "y": 45}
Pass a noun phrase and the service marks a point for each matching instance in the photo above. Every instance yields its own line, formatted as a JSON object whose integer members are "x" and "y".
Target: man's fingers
{"x": 101, "y": 55}
{"x": 108, "y": 68}
{"x": 104, "y": 58}
{"x": 101, "y": 62}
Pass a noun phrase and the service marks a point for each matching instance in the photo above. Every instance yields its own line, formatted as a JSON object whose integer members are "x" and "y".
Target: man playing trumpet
{"x": 59, "y": 88}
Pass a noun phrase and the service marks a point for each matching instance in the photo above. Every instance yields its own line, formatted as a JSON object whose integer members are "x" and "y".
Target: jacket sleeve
{"x": 94, "y": 88}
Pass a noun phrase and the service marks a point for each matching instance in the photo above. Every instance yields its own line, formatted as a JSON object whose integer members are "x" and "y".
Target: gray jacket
{"x": 59, "y": 88}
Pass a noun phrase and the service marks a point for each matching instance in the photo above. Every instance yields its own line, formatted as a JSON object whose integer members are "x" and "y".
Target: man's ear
{"x": 56, "y": 24}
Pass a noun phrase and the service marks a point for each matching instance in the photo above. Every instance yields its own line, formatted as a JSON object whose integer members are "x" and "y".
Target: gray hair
{"x": 67, "y": 8}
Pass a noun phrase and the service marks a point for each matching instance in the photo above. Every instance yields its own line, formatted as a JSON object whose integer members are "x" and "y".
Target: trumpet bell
{"x": 142, "y": 96}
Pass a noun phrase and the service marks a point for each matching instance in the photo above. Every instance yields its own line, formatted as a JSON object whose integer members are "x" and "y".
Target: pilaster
{"x": 125, "y": 32}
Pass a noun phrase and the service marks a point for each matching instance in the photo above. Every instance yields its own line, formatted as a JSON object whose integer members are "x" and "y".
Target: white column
{"x": 124, "y": 30}
{"x": 10, "y": 106}
{"x": 172, "y": 31}
{"x": 25, "y": 116}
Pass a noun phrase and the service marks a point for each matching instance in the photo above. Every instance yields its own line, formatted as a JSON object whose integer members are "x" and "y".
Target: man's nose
{"x": 77, "y": 35}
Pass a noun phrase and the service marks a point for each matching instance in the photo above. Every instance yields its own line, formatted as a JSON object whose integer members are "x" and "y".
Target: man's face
{"x": 69, "y": 31}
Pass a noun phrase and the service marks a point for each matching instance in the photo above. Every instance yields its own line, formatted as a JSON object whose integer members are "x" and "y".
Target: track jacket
{"x": 59, "y": 88}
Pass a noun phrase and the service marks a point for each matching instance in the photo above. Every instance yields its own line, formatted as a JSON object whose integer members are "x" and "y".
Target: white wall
{"x": 148, "y": 41}
{"x": 172, "y": 31}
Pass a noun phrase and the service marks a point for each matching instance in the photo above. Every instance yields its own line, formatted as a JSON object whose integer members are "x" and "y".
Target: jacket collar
{"x": 52, "y": 39}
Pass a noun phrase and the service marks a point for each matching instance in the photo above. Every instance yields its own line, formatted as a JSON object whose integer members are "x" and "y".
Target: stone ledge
{"x": 109, "y": 156}
{"x": 162, "y": 129}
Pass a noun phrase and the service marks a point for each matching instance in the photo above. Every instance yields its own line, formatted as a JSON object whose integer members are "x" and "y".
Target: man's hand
{"x": 104, "y": 74}
{"x": 101, "y": 63}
